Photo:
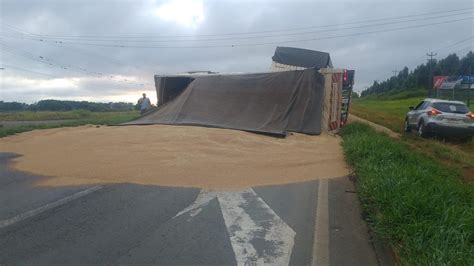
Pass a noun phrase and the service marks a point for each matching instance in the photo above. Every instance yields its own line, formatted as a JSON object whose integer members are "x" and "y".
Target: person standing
{"x": 144, "y": 104}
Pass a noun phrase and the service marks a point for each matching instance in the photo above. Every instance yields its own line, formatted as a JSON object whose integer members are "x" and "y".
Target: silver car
{"x": 441, "y": 117}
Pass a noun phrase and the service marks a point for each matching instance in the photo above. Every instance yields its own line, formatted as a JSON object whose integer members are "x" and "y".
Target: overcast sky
{"x": 55, "y": 49}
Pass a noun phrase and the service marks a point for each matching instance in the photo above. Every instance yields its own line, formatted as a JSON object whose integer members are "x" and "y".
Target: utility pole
{"x": 395, "y": 72}
{"x": 430, "y": 63}
{"x": 469, "y": 84}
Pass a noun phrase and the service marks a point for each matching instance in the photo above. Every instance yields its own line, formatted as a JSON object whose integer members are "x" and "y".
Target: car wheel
{"x": 406, "y": 125}
{"x": 421, "y": 130}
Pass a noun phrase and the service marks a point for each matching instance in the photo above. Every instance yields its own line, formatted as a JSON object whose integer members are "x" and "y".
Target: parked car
{"x": 441, "y": 117}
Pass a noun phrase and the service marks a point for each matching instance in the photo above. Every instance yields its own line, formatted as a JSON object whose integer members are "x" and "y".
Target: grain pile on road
{"x": 173, "y": 156}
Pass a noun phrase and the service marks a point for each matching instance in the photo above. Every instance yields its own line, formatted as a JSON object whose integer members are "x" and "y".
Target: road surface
{"x": 316, "y": 222}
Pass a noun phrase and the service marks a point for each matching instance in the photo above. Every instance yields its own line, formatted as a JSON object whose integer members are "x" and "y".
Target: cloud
{"x": 188, "y": 13}
{"x": 373, "y": 56}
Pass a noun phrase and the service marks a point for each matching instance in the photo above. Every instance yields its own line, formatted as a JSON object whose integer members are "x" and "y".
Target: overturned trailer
{"x": 307, "y": 101}
{"x": 291, "y": 58}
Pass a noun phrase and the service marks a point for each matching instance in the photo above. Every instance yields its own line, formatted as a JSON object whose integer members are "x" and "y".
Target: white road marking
{"x": 202, "y": 200}
{"x": 244, "y": 229}
{"x": 321, "y": 231}
{"x": 31, "y": 213}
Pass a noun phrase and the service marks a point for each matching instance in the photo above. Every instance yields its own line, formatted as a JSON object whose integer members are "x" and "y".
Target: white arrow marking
{"x": 265, "y": 227}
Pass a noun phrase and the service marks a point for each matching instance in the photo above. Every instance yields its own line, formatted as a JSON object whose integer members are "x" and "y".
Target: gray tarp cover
{"x": 302, "y": 57}
{"x": 271, "y": 103}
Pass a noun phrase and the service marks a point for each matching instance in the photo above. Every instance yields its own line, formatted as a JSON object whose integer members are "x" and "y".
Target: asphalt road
{"x": 315, "y": 222}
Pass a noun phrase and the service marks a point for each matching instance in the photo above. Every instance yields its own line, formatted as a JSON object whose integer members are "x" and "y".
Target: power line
{"x": 40, "y": 59}
{"x": 51, "y": 62}
{"x": 110, "y": 60}
{"x": 127, "y": 40}
{"x": 465, "y": 48}
{"x": 15, "y": 29}
{"x": 263, "y": 43}
{"x": 26, "y": 70}
{"x": 455, "y": 44}
{"x": 254, "y": 32}
{"x": 40, "y": 73}
{"x": 82, "y": 51}
{"x": 443, "y": 48}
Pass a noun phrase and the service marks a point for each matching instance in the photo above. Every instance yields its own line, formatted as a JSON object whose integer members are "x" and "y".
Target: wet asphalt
{"x": 136, "y": 224}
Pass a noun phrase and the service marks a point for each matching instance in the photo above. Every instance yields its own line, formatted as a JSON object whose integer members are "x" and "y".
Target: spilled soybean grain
{"x": 174, "y": 156}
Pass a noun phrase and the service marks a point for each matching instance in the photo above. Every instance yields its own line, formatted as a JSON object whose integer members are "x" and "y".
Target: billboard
{"x": 452, "y": 82}
{"x": 438, "y": 81}
{"x": 468, "y": 80}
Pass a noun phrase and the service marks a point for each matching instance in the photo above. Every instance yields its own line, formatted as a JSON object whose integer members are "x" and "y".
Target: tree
{"x": 57, "y": 105}
{"x": 420, "y": 77}
{"x": 466, "y": 64}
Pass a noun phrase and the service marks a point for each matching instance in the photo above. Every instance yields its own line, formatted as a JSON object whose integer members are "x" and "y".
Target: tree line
{"x": 58, "y": 105}
{"x": 419, "y": 78}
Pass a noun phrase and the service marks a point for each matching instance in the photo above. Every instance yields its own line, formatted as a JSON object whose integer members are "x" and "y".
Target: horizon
{"x": 110, "y": 51}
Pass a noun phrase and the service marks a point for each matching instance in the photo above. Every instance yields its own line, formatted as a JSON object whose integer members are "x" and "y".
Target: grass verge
{"x": 95, "y": 118}
{"x": 388, "y": 113}
{"x": 421, "y": 207}
{"x": 391, "y": 114}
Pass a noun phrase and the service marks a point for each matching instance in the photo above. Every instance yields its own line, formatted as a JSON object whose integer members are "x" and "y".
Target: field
{"x": 391, "y": 114}
{"x": 76, "y": 115}
{"x": 420, "y": 206}
{"x": 387, "y": 112}
{"x": 67, "y": 119}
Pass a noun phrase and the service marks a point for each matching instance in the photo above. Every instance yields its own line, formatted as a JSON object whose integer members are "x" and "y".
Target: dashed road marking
{"x": 31, "y": 213}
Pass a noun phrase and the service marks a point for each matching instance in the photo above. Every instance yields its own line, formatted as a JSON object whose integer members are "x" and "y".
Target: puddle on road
{"x": 181, "y": 156}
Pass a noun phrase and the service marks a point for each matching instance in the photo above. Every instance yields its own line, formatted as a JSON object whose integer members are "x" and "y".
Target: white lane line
{"x": 31, "y": 213}
{"x": 244, "y": 230}
{"x": 321, "y": 231}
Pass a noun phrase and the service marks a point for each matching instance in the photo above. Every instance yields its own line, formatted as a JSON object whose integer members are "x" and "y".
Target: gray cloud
{"x": 373, "y": 56}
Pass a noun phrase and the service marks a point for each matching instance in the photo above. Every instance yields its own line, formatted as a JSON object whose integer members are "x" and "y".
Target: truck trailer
{"x": 333, "y": 105}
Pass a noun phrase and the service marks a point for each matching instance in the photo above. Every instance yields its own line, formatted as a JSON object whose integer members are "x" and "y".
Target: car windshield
{"x": 451, "y": 107}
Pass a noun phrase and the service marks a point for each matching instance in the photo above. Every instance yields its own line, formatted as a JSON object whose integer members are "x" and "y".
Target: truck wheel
{"x": 421, "y": 130}
{"x": 406, "y": 125}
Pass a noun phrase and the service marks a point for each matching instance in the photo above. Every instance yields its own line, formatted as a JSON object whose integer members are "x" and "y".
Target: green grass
{"x": 421, "y": 207}
{"x": 398, "y": 95}
{"x": 391, "y": 114}
{"x": 389, "y": 109}
{"x": 46, "y": 115}
{"x": 93, "y": 118}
